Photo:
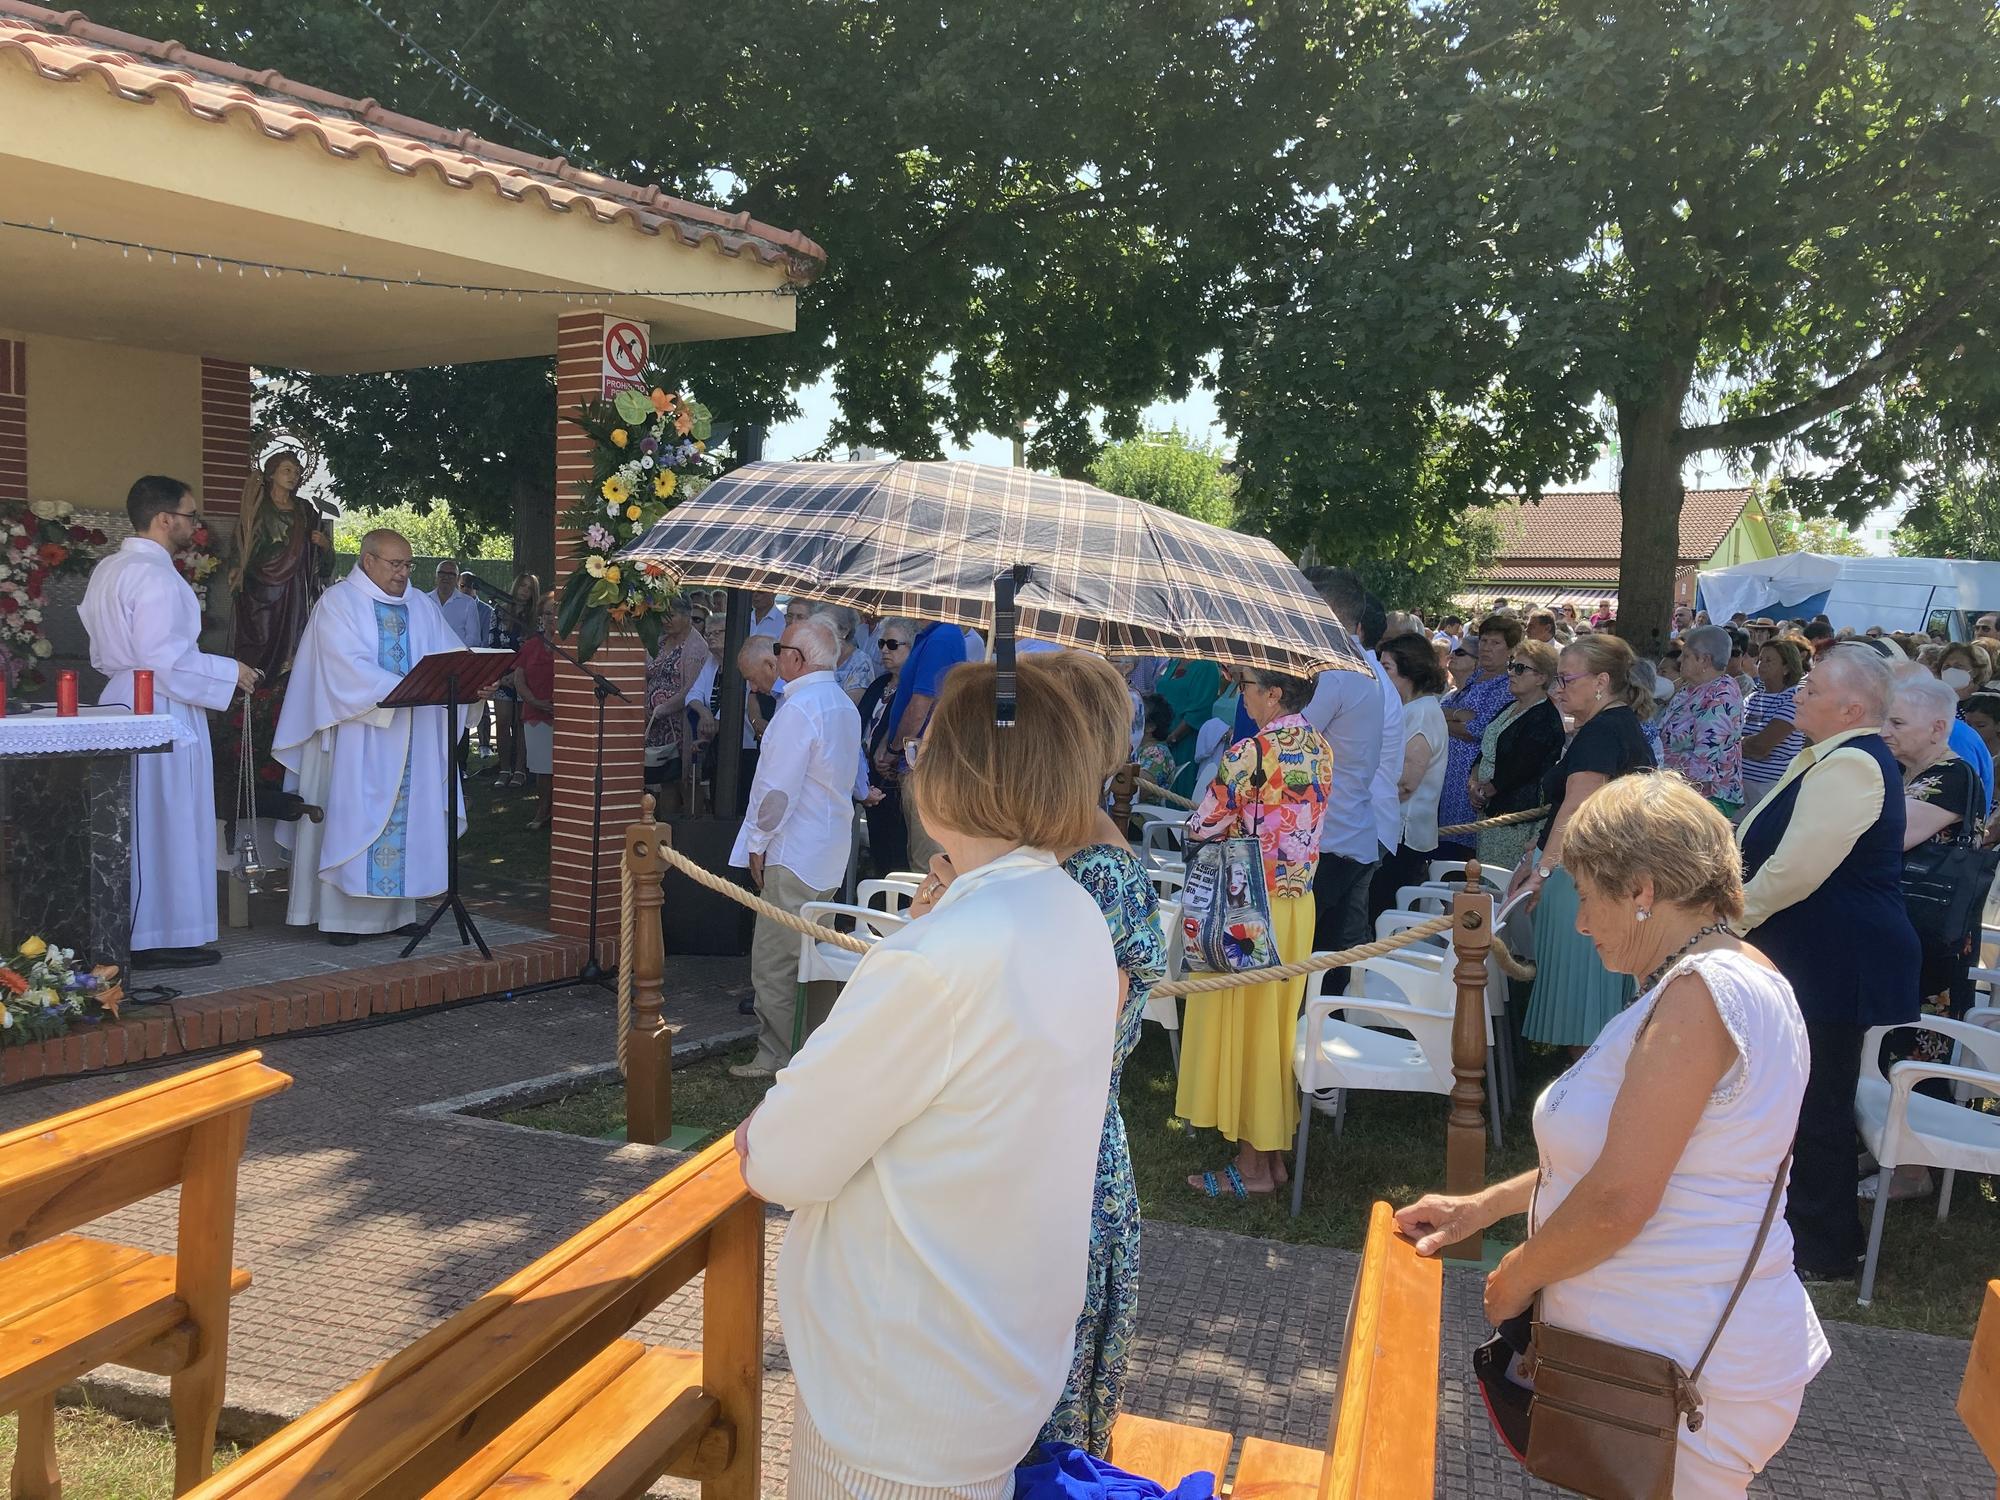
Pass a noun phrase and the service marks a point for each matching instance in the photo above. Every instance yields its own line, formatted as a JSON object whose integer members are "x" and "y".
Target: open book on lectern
{"x": 478, "y": 670}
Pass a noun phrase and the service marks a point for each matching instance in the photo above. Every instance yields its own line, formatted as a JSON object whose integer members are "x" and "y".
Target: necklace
{"x": 1699, "y": 933}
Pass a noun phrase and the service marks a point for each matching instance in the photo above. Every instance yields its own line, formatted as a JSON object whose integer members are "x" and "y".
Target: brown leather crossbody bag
{"x": 1605, "y": 1418}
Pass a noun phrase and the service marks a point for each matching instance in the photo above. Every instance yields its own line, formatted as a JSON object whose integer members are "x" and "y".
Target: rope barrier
{"x": 1161, "y": 794}
{"x": 1197, "y": 985}
{"x": 628, "y": 927}
{"x": 1174, "y": 799}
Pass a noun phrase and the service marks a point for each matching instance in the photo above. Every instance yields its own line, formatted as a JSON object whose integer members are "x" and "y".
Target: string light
{"x": 460, "y": 84}
{"x": 272, "y": 269}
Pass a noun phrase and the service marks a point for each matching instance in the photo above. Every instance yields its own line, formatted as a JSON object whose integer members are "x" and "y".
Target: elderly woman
{"x": 1516, "y": 753}
{"x": 1411, "y": 669}
{"x": 1477, "y": 702}
{"x": 1824, "y": 898}
{"x": 1663, "y": 1149}
{"x": 1574, "y": 994}
{"x": 1701, "y": 733}
{"x": 1236, "y": 1045}
{"x": 669, "y": 675}
{"x": 1770, "y": 738}
{"x": 857, "y": 670}
{"x": 1963, "y": 668}
{"x": 961, "y": 1178}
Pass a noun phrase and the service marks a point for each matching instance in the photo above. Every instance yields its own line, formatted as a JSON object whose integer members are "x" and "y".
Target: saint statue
{"x": 284, "y": 555}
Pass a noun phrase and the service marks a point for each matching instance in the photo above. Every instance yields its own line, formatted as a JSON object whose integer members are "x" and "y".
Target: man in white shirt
{"x": 1382, "y": 790}
{"x": 141, "y": 615}
{"x": 461, "y": 611}
{"x": 798, "y": 831}
{"x": 1347, "y": 709}
{"x": 765, "y": 616}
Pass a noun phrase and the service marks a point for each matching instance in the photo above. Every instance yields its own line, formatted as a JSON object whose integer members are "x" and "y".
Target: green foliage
{"x": 1537, "y": 227}
{"x": 1171, "y": 470}
{"x": 1961, "y": 520}
{"x": 1827, "y": 535}
{"x": 433, "y": 530}
{"x": 1426, "y": 570}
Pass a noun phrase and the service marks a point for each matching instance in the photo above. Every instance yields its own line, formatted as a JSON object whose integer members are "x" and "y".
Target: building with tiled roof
{"x": 1564, "y": 547}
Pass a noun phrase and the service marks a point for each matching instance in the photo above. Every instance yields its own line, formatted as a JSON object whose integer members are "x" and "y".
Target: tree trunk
{"x": 1649, "y": 504}
{"x": 535, "y": 529}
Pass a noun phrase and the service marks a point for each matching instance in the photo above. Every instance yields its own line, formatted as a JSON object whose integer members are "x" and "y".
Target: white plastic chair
{"x": 1903, "y": 1128}
{"x": 1160, "y": 843}
{"x": 820, "y": 960}
{"x": 1452, "y": 871}
{"x": 1435, "y": 951}
{"x": 1331, "y": 1053}
{"x": 1164, "y": 1010}
{"x": 896, "y": 891}
{"x": 1169, "y": 879}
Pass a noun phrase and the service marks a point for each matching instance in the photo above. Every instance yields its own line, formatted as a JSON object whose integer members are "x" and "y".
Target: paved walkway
{"x": 367, "y": 1215}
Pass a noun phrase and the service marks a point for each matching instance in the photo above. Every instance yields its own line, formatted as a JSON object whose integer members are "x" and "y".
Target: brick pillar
{"x": 578, "y": 367}
{"x": 13, "y": 420}
{"x": 226, "y": 458}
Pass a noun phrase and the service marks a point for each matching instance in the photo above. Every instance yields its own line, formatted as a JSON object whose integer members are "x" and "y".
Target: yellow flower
{"x": 700, "y": 447}
{"x": 631, "y": 512}
{"x": 663, "y": 486}
{"x": 594, "y": 566}
{"x": 620, "y": 437}
{"x": 611, "y": 573}
{"x": 34, "y": 948}
{"x": 615, "y": 489}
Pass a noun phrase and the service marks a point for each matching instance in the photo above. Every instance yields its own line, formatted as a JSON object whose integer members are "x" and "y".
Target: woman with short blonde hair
{"x": 1664, "y": 1148}
{"x": 939, "y": 1134}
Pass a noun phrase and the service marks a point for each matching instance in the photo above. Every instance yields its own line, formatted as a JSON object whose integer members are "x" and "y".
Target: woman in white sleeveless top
{"x": 1660, "y": 1145}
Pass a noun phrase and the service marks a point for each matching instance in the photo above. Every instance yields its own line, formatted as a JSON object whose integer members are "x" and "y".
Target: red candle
{"x": 65, "y": 695}
{"x": 142, "y": 691}
{"x": 3, "y": 695}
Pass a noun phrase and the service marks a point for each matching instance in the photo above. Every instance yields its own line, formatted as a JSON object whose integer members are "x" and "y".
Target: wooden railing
{"x": 1979, "y": 1395}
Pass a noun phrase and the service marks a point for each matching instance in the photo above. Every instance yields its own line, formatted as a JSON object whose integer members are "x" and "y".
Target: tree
{"x": 1428, "y": 573}
{"x": 1762, "y": 229}
{"x": 1171, "y": 470}
{"x": 1031, "y": 213}
{"x": 1827, "y": 535}
{"x": 432, "y": 531}
{"x": 1961, "y": 520}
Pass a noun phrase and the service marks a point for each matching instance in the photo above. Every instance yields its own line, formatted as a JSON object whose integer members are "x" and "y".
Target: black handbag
{"x": 1944, "y": 891}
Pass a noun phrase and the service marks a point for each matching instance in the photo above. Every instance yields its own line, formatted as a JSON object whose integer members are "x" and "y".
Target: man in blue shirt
{"x": 936, "y": 650}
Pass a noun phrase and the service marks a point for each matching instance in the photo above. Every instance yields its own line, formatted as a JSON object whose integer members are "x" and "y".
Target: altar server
{"x": 378, "y": 772}
{"x": 142, "y": 616}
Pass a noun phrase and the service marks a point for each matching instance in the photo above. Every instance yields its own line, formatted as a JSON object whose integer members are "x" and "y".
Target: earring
{"x": 1642, "y": 914}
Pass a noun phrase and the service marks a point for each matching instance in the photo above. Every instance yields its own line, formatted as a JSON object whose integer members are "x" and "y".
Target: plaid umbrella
{"x": 930, "y": 539}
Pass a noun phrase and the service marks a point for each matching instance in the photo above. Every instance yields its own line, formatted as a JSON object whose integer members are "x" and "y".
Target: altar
{"x": 66, "y": 794}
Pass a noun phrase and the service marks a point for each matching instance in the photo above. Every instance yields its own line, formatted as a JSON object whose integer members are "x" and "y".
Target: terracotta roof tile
{"x": 1575, "y": 534}
{"x": 64, "y": 47}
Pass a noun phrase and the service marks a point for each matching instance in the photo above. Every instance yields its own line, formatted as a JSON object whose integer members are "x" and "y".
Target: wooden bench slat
{"x": 492, "y": 1362}
{"x": 1979, "y": 1395}
{"x": 1277, "y": 1471}
{"x": 486, "y": 1467}
{"x": 46, "y": 1273}
{"x": 621, "y": 1440}
{"x": 1384, "y": 1436}
{"x": 97, "y": 1132}
{"x": 1167, "y": 1452}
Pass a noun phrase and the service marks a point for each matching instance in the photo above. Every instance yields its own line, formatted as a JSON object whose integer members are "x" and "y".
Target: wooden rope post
{"x": 1465, "y": 1127}
{"x": 649, "y": 1048}
{"x": 1124, "y": 787}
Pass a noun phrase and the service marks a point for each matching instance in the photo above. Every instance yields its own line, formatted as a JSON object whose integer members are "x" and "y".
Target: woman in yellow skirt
{"x": 1236, "y": 1045}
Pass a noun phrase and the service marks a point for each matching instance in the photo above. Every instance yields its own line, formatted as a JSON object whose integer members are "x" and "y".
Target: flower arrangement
{"x": 197, "y": 563}
{"x": 43, "y": 992}
{"x": 38, "y": 542}
{"x": 650, "y": 452}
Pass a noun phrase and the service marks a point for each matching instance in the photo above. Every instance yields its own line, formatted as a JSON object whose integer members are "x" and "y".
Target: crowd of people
{"x": 1710, "y": 946}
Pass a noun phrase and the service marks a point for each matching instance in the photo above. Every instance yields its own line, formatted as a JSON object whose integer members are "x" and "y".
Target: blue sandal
{"x": 1234, "y": 1179}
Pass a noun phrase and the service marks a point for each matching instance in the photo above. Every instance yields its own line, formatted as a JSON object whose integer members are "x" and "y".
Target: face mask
{"x": 1662, "y": 690}
{"x": 1955, "y": 678}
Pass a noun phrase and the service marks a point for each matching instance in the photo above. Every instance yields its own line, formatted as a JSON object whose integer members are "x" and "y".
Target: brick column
{"x": 578, "y": 366}
{"x": 226, "y": 458}
{"x": 13, "y": 420}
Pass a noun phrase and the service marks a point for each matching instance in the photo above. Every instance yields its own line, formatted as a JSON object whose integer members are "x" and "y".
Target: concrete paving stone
{"x": 367, "y": 1215}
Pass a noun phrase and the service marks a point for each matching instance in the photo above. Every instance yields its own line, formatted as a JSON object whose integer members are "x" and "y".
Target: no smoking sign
{"x": 627, "y": 347}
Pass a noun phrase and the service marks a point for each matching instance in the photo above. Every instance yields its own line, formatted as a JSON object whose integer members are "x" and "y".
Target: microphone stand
{"x": 592, "y": 971}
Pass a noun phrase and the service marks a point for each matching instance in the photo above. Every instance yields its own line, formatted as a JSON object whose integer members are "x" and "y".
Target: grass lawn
{"x": 500, "y": 856}
{"x": 1931, "y": 1279}
{"x": 103, "y": 1457}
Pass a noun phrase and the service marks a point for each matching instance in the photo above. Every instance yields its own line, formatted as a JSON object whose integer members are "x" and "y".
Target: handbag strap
{"x": 1749, "y": 1265}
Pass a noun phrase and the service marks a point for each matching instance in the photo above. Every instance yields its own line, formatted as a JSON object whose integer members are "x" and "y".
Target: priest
{"x": 379, "y": 773}
{"x": 142, "y": 616}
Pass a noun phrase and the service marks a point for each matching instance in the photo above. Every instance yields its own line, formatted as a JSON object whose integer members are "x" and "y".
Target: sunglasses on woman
{"x": 894, "y": 645}
{"x": 1519, "y": 669}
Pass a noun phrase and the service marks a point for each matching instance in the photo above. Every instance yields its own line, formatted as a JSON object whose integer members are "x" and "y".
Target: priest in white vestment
{"x": 142, "y": 616}
{"x": 378, "y": 773}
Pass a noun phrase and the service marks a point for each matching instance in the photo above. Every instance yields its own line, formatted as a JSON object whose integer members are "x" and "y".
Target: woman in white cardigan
{"x": 937, "y": 1138}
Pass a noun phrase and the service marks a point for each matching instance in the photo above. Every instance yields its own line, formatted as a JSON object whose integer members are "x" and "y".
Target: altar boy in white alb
{"x": 378, "y": 772}
{"x": 142, "y": 616}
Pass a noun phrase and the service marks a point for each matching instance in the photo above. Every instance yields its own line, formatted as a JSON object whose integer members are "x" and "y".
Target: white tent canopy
{"x": 1897, "y": 593}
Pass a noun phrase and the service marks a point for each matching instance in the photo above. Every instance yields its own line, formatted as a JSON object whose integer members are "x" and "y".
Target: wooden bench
{"x": 1979, "y": 1395}
{"x": 1382, "y": 1442}
{"x": 69, "y": 1303}
{"x": 533, "y": 1391}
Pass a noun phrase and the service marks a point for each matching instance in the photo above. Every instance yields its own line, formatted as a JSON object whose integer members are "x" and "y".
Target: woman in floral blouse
{"x": 1701, "y": 734}
{"x": 1236, "y": 1045}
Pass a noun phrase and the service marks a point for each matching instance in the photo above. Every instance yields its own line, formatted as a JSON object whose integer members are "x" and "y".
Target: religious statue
{"x": 284, "y": 555}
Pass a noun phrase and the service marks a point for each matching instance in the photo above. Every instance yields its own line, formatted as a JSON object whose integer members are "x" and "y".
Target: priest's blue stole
{"x": 389, "y": 854}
